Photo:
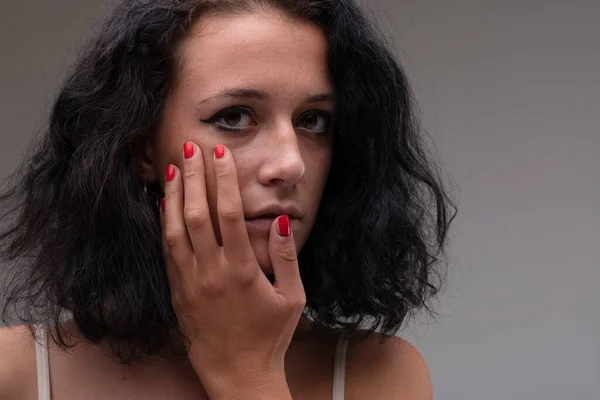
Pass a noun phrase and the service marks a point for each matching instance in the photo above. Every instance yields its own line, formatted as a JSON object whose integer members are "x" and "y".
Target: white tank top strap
{"x": 339, "y": 369}
{"x": 42, "y": 361}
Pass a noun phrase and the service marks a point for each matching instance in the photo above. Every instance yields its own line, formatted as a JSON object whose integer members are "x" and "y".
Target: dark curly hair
{"x": 80, "y": 234}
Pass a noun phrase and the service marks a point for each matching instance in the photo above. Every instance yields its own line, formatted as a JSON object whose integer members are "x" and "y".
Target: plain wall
{"x": 509, "y": 91}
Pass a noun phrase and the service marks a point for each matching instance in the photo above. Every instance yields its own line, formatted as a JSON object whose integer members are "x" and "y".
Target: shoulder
{"x": 392, "y": 369}
{"x": 17, "y": 363}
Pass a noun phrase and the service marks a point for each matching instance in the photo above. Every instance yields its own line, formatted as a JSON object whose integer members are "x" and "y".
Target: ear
{"x": 142, "y": 151}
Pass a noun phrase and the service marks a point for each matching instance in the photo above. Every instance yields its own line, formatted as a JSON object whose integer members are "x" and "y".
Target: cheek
{"x": 319, "y": 172}
{"x": 167, "y": 149}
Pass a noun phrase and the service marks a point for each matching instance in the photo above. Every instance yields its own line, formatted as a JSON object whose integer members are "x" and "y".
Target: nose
{"x": 282, "y": 163}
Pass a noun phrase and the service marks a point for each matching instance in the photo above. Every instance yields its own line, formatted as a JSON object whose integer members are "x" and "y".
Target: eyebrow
{"x": 259, "y": 95}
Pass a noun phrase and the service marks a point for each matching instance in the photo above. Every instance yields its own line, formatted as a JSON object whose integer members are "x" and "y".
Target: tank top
{"x": 43, "y": 366}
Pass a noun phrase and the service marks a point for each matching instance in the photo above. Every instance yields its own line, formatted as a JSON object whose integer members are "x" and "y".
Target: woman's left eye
{"x": 317, "y": 121}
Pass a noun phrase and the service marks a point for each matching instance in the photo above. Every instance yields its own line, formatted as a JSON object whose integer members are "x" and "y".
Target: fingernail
{"x": 219, "y": 151}
{"x": 170, "y": 172}
{"x": 283, "y": 226}
{"x": 188, "y": 149}
{"x": 162, "y": 204}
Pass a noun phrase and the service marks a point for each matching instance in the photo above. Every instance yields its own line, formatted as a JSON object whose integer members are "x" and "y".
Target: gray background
{"x": 510, "y": 92}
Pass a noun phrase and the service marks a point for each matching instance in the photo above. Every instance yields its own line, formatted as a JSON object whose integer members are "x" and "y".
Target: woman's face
{"x": 259, "y": 84}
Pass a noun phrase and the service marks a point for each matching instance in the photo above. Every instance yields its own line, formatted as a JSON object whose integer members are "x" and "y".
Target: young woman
{"x": 231, "y": 197}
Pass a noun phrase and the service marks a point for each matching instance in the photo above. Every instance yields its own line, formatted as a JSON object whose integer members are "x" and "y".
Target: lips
{"x": 273, "y": 211}
{"x": 265, "y": 216}
{"x": 270, "y": 218}
{"x": 262, "y": 217}
{"x": 263, "y": 223}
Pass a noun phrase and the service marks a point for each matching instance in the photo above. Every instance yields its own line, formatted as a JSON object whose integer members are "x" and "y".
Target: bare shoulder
{"x": 17, "y": 362}
{"x": 392, "y": 369}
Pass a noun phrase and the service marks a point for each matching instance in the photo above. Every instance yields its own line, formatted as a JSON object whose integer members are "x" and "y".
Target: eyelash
{"x": 213, "y": 120}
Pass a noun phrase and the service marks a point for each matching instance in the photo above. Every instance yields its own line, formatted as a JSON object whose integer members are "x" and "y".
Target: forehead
{"x": 264, "y": 50}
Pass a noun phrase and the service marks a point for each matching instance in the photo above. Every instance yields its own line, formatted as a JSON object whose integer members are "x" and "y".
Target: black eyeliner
{"x": 213, "y": 120}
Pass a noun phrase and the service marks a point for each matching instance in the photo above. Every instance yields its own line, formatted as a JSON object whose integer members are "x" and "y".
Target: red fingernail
{"x": 170, "y": 172}
{"x": 283, "y": 226}
{"x": 188, "y": 149}
{"x": 162, "y": 204}
{"x": 219, "y": 151}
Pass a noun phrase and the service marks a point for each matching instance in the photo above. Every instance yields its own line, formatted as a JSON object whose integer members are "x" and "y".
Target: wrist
{"x": 235, "y": 387}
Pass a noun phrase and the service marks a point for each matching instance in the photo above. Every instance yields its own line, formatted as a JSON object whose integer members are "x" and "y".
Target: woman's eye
{"x": 318, "y": 121}
{"x": 231, "y": 119}
{"x": 237, "y": 118}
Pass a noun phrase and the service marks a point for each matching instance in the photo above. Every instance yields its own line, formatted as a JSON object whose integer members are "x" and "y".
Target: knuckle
{"x": 286, "y": 253}
{"x": 298, "y": 298}
{"x": 297, "y": 303}
{"x": 229, "y": 213}
{"x": 172, "y": 192}
{"x": 196, "y": 218}
{"x": 245, "y": 276}
{"x": 190, "y": 172}
{"x": 223, "y": 173}
{"x": 172, "y": 238}
{"x": 211, "y": 287}
{"x": 301, "y": 301}
{"x": 189, "y": 295}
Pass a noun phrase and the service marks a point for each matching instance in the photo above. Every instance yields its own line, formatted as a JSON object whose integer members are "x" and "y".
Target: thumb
{"x": 282, "y": 251}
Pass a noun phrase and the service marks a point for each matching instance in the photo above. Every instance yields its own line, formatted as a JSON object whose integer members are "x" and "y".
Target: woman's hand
{"x": 238, "y": 324}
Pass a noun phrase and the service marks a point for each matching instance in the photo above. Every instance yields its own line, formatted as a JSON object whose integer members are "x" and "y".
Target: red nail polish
{"x": 170, "y": 172}
{"x": 283, "y": 225}
{"x": 188, "y": 149}
{"x": 162, "y": 204}
{"x": 219, "y": 151}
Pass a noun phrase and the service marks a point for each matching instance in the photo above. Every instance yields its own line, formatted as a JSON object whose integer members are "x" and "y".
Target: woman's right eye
{"x": 231, "y": 119}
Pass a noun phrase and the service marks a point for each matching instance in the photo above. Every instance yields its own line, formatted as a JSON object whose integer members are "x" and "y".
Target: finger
{"x": 230, "y": 211}
{"x": 196, "y": 211}
{"x": 176, "y": 235}
{"x": 172, "y": 273}
{"x": 282, "y": 251}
